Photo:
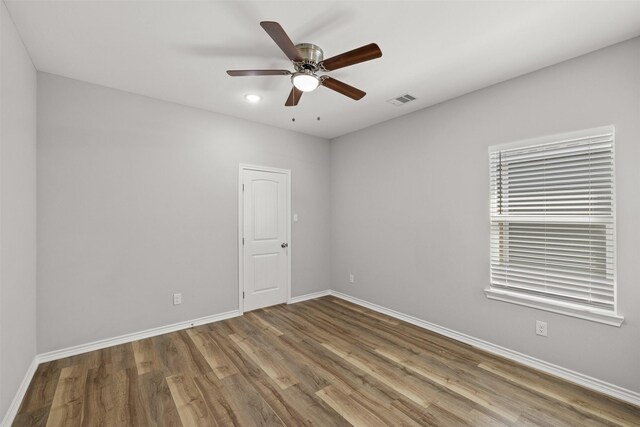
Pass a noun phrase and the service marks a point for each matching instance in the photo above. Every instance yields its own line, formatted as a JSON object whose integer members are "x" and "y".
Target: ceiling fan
{"x": 307, "y": 61}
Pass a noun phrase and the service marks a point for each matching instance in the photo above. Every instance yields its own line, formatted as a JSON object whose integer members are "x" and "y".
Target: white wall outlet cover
{"x": 541, "y": 328}
{"x": 295, "y": 217}
{"x": 352, "y": 279}
{"x": 177, "y": 299}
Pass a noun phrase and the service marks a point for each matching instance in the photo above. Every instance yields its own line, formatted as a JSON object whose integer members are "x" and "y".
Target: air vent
{"x": 401, "y": 100}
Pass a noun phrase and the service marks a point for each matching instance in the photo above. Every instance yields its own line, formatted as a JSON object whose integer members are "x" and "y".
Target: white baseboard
{"x": 312, "y": 295}
{"x": 564, "y": 373}
{"x": 22, "y": 390}
{"x": 122, "y": 339}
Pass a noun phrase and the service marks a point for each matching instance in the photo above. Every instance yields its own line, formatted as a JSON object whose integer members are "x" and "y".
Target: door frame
{"x": 287, "y": 172}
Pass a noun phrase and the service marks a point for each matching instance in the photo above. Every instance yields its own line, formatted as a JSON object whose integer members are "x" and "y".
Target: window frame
{"x": 546, "y": 303}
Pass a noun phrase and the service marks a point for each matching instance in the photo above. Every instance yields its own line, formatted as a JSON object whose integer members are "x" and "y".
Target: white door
{"x": 265, "y": 234}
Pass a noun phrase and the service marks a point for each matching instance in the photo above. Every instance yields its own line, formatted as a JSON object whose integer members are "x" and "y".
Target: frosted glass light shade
{"x": 305, "y": 82}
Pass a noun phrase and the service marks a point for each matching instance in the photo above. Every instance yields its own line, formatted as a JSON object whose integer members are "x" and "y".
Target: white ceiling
{"x": 179, "y": 50}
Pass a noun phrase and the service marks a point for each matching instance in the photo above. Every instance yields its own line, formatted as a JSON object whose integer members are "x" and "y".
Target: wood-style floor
{"x": 322, "y": 362}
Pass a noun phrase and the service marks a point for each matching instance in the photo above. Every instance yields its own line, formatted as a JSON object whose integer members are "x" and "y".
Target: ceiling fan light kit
{"x": 306, "y": 81}
{"x": 308, "y": 60}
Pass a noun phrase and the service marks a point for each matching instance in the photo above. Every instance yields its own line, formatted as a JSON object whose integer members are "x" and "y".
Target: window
{"x": 552, "y": 233}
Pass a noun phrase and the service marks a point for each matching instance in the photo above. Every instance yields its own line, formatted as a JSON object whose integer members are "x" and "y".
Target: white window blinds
{"x": 552, "y": 221}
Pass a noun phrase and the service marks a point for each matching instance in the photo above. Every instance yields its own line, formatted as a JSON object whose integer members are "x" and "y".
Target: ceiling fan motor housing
{"x": 311, "y": 56}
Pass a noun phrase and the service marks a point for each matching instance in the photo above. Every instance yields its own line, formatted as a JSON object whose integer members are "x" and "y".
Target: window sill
{"x": 574, "y": 310}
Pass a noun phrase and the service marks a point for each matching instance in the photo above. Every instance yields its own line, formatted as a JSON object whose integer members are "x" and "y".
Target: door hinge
{"x": 243, "y": 240}
{"x": 243, "y": 295}
{"x": 242, "y": 187}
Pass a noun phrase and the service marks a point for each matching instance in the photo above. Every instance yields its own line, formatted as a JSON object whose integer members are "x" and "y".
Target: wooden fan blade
{"x": 343, "y": 88}
{"x": 281, "y": 38}
{"x": 355, "y": 56}
{"x": 240, "y": 73}
{"x": 294, "y": 97}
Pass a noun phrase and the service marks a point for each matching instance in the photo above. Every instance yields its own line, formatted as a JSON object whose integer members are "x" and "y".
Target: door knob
{"x": 284, "y": 245}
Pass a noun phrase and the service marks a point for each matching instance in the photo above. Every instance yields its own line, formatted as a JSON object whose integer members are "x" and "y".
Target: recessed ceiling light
{"x": 252, "y": 98}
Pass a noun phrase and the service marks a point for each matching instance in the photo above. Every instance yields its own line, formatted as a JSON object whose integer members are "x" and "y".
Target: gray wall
{"x": 410, "y": 210}
{"x": 137, "y": 199}
{"x": 17, "y": 212}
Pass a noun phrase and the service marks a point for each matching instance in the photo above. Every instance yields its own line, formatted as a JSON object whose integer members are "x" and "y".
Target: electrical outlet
{"x": 352, "y": 278}
{"x": 541, "y": 328}
{"x": 177, "y": 299}
{"x": 295, "y": 217}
